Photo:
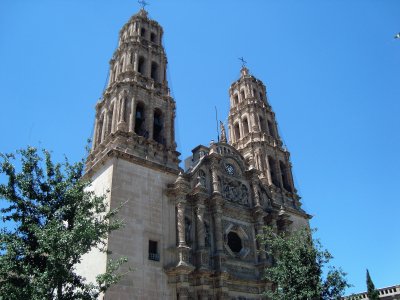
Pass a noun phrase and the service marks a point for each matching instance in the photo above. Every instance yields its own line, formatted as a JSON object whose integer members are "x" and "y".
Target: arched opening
{"x": 110, "y": 119}
{"x": 157, "y": 127}
{"x": 262, "y": 124}
{"x": 271, "y": 129}
{"x": 284, "y": 174}
{"x": 254, "y": 93}
{"x": 139, "y": 120}
{"x": 245, "y": 127}
{"x": 121, "y": 66}
{"x": 127, "y": 110}
{"x": 272, "y": 171}
{"x": 154, "y": 71}
{"x": 235, "y": 99}
{"x": 153, "y": 37}
{"x": 237, "y": 131}
{"x": 142, "y": 32}
{"x": 188, "y": 231}
{"x": 234, "y": 242}
{"x": 100, "y": 129}
{"x": 141, "y": 65}
{"x": 261, "y": 96}
{"x": 242, "y": 95}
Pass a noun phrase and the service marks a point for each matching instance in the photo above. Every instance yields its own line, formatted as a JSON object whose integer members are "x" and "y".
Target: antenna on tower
{"x": 216, "y": 122}
{"x": 143, "y": 3}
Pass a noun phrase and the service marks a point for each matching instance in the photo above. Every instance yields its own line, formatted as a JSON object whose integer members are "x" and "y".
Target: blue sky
{"x": 331, "y": 68}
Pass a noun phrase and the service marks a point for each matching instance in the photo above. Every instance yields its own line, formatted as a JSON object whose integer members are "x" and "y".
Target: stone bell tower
{"x": 134, "y": 157}
{"x": 253, "y": 131}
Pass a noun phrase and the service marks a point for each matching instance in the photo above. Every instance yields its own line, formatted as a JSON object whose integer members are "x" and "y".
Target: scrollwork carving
{"x": 235, "y": 191}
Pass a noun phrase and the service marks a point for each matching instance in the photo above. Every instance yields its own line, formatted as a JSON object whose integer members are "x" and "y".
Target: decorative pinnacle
{"x": 143, "y": 3}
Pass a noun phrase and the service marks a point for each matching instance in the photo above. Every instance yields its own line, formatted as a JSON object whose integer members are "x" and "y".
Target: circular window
{"x": 234, "y": 242}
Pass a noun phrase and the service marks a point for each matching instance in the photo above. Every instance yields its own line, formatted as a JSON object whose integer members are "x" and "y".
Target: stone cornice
{"x": 92, "y": 167}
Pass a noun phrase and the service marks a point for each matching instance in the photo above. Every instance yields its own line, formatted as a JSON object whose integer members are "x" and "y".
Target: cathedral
{"x": 189, "y": 233}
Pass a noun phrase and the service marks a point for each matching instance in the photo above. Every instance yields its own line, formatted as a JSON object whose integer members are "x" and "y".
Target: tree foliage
{"x": 297, "y": 267}
{"x": 372, "y": 293}
{"x": 51, "y": 219}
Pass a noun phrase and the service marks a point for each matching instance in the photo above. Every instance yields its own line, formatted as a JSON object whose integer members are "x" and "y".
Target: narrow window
{"x": 254, "y": 93}
{"x": 141, "y": 65}
{"x": 261, "y": 96}
{"x": 121, "y": 66}
{"x": 110, "y": 119}
{"x": 142, "y": 32}
{"x": 245, "y": 127}
{"x": 237, "y": 132}
{"x": 153, "y": 251}
{"x": 139, "y": 120}
{"x": 157, "y": 127}
{"x": 271, "y": 129}
{"x": 262, "y": 125}
{"x": 235, "y": 99}
{"x": 284, "y": 174}
{"x": 154, "y": 71}
{"x": 100, "y": 129}
{"x": 242, "y": 95}
{"x": 153, "y": 37}
{"x": 272, "y": 171}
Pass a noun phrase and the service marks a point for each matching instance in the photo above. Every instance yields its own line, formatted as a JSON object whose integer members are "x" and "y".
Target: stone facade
{"x": 189, "y": 234}
{"x": 387, "y": 293}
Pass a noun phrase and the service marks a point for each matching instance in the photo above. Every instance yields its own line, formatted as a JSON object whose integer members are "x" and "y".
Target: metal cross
{"x": 243, "y": 61}
{"x": 143, "y": 3}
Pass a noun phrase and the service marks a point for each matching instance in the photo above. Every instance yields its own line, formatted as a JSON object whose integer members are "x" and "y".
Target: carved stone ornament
{"x": 235, "y": 191}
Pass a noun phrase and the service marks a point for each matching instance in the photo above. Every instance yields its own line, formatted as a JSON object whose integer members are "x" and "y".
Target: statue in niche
{"x": 223, "y": 133}
{"x": 188, "y": 228}
{"x": 202, "y": 178}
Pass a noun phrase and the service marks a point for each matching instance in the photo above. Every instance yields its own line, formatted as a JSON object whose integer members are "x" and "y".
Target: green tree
{"x": 49, "y": 220}
{"x": 372, "y": 293}
{"x": 297, "y": 267}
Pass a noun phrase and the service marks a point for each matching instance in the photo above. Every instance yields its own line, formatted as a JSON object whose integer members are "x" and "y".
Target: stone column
{"x": 122, "y": 107}
{"x": 96, "y": 132}
{"x": 132, "y": 115}
{"x": 218, "y": 233}
{"x": 215, "y": 183}
{"x": 268, "y": 171}
{"x": 256, "y": 195}
{"x": 149, "y": 115}
{"x": 136, "y": 62}
{"x": 200, "y": 226}
{"x": 259, "y": 230}
{"x": 219, "y": 240}
{"x": 167, "y": 126}
{"x": 103, "y": 130}
{"x": 180, "y": 219}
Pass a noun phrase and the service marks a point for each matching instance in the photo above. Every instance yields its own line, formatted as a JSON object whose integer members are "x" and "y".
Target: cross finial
{"x": 143, "y": 3}
{"x": 243, "y": 61}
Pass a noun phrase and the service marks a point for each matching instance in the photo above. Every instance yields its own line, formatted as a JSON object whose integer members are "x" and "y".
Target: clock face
{"x": 230, "y": 169}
